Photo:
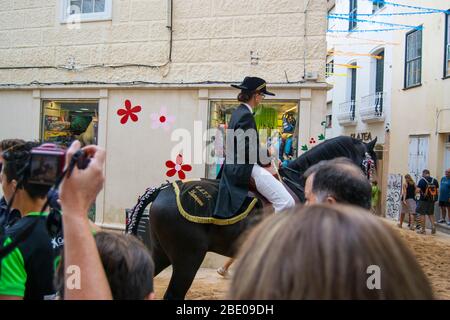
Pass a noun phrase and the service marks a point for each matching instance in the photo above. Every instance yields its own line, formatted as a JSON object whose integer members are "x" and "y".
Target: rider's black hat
{"x": 253, "y": 84}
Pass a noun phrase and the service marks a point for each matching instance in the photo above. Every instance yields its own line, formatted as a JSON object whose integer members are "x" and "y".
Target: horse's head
{"x": 367, "y": 152}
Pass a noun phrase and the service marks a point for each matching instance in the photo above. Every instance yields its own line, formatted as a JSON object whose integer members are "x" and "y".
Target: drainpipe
{"x": 438, "y": 114}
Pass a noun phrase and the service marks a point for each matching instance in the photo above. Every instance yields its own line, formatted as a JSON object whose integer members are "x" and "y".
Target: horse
{"x": 173, "y": 240}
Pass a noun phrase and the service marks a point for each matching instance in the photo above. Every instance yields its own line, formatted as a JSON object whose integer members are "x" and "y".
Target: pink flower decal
{"x": 128, "y": 112}
{"x": 162, "y": 119}
{"x": 177, "y": 167}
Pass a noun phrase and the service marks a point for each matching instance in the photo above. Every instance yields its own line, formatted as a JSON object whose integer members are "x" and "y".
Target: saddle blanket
{"x": 196, "y": 201}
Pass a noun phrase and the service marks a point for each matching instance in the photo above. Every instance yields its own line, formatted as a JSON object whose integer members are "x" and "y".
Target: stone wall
{"x": 212, "y": 40}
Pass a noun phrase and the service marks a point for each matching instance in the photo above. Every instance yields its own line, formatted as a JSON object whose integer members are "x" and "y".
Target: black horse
{"x": 173, "y": 240}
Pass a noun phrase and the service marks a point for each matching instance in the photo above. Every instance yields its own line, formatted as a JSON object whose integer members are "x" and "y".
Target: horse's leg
{"x": 184, "y": 271}
{"x": 160, "y": 259}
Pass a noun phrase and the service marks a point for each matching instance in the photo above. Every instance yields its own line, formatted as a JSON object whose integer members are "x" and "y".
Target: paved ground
{"x": 432, "y": 252}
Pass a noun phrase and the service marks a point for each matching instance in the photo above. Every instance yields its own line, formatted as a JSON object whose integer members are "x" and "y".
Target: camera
{"x": 46, "y": 164}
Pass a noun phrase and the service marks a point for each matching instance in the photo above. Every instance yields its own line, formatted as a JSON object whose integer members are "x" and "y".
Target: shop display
{"x": 64, "y": 122}
{"x": 279, "y": 119}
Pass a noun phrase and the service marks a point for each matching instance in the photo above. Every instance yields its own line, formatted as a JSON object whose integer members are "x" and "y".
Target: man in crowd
{"x": 337, "y": 181}
{"x": 428, "y": 196}
{"x": 27, "y": 272}
{"x": 444, "y": 197}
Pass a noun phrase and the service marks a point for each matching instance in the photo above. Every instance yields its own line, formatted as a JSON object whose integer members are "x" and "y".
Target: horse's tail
{"x": 135, "y": 215}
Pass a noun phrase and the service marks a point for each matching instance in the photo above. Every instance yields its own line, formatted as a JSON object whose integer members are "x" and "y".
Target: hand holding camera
{"x": 84, "y": 178}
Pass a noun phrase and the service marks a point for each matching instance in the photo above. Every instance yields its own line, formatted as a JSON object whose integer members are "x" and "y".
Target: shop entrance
{"x": 279, "y": 119}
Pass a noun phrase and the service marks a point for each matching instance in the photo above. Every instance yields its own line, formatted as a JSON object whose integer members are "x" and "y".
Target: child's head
{"x": 374, "y": 182}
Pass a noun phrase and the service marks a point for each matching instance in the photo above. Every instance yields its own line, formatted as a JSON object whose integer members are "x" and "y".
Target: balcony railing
{"x": 372, "y": 107}
{"x": 346, "y": 116}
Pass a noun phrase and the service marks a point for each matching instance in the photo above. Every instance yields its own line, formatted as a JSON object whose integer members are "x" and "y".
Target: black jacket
{"x": 235, "y": 175}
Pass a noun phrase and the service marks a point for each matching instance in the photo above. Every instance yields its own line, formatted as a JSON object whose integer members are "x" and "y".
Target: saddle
{"x": 196, "y": 201}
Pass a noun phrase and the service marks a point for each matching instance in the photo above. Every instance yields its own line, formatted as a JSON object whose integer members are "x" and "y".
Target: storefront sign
{"x": 363, "y": 136}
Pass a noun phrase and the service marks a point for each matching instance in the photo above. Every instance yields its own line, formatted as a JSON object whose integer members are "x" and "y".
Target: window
{"x": 413, "y": 67}
{"x": 329, "y": 69}
{"x": 279, "y": 119}
{"x": 66, "y": 121}
{"x": 86, "y": 10}
{"x": 353, "y": 14}
{"x": 377, "y": 5}
{"x": 353, "y": 90}
{"x": 447, "y": 46}
{"x": 328, "y": 121}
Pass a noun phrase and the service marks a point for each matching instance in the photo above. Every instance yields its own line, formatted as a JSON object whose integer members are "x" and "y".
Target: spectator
{"x": 444, "y": 197}
{"x": 330, "y": 181}
{"x": 7, "y": 217}
{"x": 337, "y": 181}
{"x": 329, "y": 250}
{"x": 408, "y": 201}
{"x": 428, "y": 196}
{"x": 27, "y": 272}
{"x": 128, "y": 266}
{"x": 375, "y": 197}
{"x": 120, "y": 257}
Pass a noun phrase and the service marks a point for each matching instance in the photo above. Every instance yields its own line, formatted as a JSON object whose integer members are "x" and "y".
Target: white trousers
{"x": 272, "y": 189}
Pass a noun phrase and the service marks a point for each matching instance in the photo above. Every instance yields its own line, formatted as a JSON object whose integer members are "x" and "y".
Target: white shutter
{"x": 418, "y": 156}
{"x": 412, "y": 156}
{"x": 423, "y": 154}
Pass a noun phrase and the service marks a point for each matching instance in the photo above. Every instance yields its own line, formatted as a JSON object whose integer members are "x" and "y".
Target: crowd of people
{"x": 326, "y": 246}
{"x": 419, "y": 201}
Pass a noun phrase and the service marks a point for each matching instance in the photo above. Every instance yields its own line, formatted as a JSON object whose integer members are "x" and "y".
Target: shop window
{"x": 66, "y": 121}
{"x": 86, "y": 10}
{"x": 279, "y": 120}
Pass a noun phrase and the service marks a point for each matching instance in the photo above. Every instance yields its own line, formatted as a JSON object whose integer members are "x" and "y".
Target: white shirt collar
{"x": 249, "y": 108}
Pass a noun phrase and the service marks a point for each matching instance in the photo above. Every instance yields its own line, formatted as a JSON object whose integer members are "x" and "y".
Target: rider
{"x": 235, "y": 175}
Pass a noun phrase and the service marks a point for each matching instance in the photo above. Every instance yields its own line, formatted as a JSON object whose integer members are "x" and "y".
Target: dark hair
{"x": 9, "y": 143}
{"x": 426, "y": 171}
{"x": 16, "y": 166}
{"x": 315, "y": 168}
{"x": 326, "y": 252}
{"x": 128, "y": 266}
{"x": 345, "y": 182}
{"x": 245, "y": 95}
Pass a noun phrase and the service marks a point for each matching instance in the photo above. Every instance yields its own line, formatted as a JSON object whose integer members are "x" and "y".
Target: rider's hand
{"x": 78, "y": 192}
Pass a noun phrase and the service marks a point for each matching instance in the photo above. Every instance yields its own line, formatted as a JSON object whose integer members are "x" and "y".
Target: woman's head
{"x": 409, "y": 179}
{"x": 326, "y": 252}
{"x": 253, "y": 98}
{"x": 128, "y": 266}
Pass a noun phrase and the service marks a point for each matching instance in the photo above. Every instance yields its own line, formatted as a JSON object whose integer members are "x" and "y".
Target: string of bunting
{"x": 367, "y": 30}
{"x": 386, "y": 14}
{"x": 332, "y": 16}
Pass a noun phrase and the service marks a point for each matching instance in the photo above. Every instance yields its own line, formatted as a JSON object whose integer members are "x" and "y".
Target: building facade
{"x": 420, "y": 129}
{"x": 80, "y": 70}
{"x": 359, "y": 66}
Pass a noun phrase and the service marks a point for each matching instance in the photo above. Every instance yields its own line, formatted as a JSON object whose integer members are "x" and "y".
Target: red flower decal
{"x": 128, "y": 112}
{"x": 177, "y": 167}
{"x": 312, "y": 141}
